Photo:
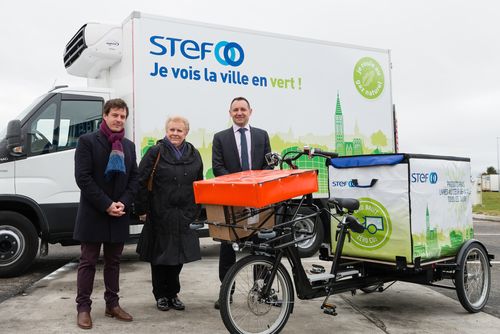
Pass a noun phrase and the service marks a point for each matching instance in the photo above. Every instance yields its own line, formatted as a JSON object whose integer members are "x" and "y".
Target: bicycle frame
{"x": 285, "y": 245}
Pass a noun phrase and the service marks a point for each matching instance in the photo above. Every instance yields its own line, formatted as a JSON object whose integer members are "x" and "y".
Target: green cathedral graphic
{"x": 343, "y": 148}
{"x": 431, "y": 248}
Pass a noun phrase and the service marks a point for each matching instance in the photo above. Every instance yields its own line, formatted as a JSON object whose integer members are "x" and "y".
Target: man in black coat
{"x": 239, "y": 148}
{"x": 106, "y": 173}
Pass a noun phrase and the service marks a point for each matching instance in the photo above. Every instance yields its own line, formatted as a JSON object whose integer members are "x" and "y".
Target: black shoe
{"x": 176, "y": 304}
{"x": 162, "y": 304}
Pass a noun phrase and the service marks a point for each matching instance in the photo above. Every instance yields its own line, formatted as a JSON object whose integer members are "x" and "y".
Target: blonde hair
{"x": 177, "y": 119}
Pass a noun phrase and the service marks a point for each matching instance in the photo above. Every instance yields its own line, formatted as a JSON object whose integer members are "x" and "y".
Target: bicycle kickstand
{"x": 329, "y": 308}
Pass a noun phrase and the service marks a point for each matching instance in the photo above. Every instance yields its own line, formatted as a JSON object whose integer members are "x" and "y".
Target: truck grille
{"x": 75, "y": 47}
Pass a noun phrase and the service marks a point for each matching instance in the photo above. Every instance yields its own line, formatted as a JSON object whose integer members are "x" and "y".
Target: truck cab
{"x": 39, "y": 197}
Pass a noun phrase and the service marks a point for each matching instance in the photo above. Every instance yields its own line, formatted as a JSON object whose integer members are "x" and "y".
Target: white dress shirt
{"x": 237, "y": 136}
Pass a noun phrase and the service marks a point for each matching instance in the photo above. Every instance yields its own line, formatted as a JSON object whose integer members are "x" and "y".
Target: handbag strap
{"x": 150, "y": 180}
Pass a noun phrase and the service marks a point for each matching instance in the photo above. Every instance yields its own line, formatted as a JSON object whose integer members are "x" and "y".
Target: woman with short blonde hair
{"x": 169, "y": 209}
{"x": 178, "y": 119}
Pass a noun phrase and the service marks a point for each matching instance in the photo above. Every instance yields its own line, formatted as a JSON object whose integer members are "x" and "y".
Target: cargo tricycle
{"x": 373, "y": 241}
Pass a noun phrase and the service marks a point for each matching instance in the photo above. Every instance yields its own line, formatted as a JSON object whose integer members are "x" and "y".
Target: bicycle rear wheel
{"x": 473, "y": 278}
{"x": 242, "y": 306}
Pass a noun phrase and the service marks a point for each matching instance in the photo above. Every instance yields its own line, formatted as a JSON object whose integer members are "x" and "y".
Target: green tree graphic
{"x": 379, "y": 139}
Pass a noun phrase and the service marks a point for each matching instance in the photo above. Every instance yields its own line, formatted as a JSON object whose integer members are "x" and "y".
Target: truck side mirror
{"x": 13, "y": 137}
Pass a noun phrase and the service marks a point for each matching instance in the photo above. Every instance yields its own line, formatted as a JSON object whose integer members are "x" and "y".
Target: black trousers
{"x": 86, "y": 273}
{"x": 165, "y": 280}
{"x": 227, "y": 257}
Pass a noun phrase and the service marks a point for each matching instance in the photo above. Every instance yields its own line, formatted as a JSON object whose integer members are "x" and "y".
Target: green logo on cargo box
{"x": 369, "y": 78}
{"x": 377, "y": 223}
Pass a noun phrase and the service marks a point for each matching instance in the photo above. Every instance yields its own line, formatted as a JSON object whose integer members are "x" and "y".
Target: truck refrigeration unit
{"x": 303, "y": 92}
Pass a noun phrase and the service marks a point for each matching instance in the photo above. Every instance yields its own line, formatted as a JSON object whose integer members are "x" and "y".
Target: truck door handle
{"x": 357, "y": 185}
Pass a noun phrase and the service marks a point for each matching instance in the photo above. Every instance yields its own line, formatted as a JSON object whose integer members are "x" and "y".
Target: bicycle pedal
{"x": 317, "y": 269}
{"x": 329, "y": 309}
{"x": 328, "y": 306}
{"x": 329, "y": 312}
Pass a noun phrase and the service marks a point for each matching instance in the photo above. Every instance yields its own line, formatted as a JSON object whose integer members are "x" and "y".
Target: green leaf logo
{"x": 369, "y": 78}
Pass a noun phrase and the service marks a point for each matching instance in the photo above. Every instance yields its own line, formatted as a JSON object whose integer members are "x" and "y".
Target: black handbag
{"x": 146, "y": 242}
{"x": 152, "y": 175}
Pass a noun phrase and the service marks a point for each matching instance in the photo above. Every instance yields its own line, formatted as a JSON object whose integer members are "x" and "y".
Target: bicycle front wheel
{"x": 243, "y": 307}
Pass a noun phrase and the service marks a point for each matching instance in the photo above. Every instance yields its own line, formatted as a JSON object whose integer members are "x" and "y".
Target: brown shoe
{"x": 83, "y": 320}
{"x": 118, "y": 313}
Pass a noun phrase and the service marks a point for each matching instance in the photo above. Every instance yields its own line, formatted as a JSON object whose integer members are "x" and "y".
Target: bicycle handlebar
{"x": 310, "y": 152}
{"x": 322, "y": 153}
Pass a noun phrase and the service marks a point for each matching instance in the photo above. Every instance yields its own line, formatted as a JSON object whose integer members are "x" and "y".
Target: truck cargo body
{"x": 303, "y": 92}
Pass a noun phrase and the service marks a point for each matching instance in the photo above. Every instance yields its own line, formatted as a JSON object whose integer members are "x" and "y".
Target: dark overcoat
{"x": 170, "y": 205}
{"x": 225, "y": 156}
{"x": 93, "y": 224}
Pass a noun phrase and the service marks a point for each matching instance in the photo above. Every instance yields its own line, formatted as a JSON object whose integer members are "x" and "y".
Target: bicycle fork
{"x": 268, "y": 280}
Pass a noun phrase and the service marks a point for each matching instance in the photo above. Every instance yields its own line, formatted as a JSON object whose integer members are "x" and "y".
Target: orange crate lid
{"x": 256, "y": 188}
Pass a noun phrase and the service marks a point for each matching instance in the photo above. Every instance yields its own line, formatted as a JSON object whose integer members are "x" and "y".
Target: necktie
{"x": 244, "y": 150}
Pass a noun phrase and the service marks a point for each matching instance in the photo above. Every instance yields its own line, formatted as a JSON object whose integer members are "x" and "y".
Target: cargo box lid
{"x": 367, "y": 160}
{"x": 385, "y": 159}
{"x": 256, "y": 188}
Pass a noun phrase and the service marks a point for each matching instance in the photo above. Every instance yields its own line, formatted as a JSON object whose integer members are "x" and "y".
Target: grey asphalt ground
{"x": 49, "y": 306}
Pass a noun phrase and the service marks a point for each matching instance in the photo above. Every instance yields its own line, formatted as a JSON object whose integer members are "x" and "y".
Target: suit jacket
{"x": 93, "y": 224}
{"x": 225, "y": 156}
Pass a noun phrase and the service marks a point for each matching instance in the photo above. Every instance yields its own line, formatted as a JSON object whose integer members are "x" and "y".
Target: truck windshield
{"x": 22, "y": 115}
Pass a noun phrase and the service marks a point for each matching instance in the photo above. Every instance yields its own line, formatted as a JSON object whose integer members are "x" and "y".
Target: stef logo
{"x": 433, "y": 178}
{"x": 232, "y": 53}
{"x": 226, "y": 53}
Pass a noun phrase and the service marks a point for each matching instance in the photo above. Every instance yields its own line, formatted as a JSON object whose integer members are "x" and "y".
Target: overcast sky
{"x": 445, "y": 55}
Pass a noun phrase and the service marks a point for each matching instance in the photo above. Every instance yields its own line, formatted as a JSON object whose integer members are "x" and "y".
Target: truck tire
{"x": 309, "y": 247}
{"x": 18, "y": 243}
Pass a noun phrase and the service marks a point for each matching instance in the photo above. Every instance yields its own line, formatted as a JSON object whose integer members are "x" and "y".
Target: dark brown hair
{"x": 239, "y": 98}
{"x": 114, "y": 104}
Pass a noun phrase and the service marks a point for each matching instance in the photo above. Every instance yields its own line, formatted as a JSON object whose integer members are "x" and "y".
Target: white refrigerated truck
{"x": 303, "y": 92}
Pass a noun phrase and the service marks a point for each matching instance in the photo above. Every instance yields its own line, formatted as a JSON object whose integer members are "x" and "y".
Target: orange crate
{"x": 256, "y": 188}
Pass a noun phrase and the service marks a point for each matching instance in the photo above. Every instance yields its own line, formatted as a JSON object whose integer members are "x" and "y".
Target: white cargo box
{"x": 489, "y": 182}
{"x": 412, "y": 206}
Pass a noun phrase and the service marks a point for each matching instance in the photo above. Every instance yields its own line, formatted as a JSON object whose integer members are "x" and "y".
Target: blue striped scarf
{"x": 116, "y": 162}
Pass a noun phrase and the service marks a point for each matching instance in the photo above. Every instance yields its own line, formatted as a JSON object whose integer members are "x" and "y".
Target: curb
{"x": 486, "y": 218}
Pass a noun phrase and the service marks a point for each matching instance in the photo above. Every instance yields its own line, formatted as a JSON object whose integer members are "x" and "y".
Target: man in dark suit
{"x": 239, "y": 148}
{"x": 106, "y": 173}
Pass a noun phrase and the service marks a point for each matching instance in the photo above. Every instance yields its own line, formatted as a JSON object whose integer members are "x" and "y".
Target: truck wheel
{"x": 18, "y": 243}
{"x": 309, "y": 247}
